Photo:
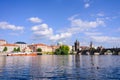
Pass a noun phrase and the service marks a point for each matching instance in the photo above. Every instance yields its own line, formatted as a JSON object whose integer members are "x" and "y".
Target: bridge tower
{"x": 91, "y": 44}
{"x": 77, "y": 45}
{"x": 91, "y": 48}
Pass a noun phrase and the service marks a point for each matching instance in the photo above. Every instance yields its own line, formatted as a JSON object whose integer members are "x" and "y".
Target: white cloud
{"x": 92, "y": 33}
{"x": 6, "y": 25}
{"x": 79, "y": 25}
{"x": 86, "y": 24}
{"x": 100, "y": 14}
{"x": 14, "y": 34}
{"x": 42, "y": 30}
{"x": 35, "y": 20}
{"x": 40, "y": 27}
{"x": 87, "y": 5}
{"x": 60, "y": 36}
{"x": 106, "y": 39}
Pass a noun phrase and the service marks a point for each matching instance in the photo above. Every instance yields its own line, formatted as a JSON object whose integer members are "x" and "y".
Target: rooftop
{"x": 9, "y": 45}
{"x": 40, "y": 44}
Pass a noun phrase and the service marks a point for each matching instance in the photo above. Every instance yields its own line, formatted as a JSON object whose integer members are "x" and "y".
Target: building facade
{"x": 27, "y": 49}
{"x": 22, "y": 45}
{"x": 2, "y": 42}
{"x": 10, "y": 47}
{"x": 44, "y": 47}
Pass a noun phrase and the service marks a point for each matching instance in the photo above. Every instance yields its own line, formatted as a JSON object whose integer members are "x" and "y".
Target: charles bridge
{"x": 91, "y": 50}
{"x": 114, "y": 51}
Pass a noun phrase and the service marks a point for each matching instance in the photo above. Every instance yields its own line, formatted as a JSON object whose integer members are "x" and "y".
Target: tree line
{"x": 14, "y": 50}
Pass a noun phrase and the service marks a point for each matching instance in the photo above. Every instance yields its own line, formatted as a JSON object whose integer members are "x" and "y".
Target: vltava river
{"x": 53, "y": 67}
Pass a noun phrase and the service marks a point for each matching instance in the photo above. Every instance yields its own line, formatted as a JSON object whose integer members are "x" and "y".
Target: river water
{"x": 60, "y": 67}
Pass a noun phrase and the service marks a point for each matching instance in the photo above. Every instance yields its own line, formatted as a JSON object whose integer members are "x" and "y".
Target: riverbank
{"x": 3, "y": 54}
{"x": 19, "y": 54}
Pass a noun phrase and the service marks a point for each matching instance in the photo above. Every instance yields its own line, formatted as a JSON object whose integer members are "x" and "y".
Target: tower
{"x": 77, "y": 44}
{"x": 91, "y": 44}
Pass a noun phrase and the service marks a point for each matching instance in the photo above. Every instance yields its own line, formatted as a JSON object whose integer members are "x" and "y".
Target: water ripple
{"x": 52, "y": 67}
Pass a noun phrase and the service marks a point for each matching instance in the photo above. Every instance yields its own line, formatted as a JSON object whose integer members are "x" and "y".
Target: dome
{"x": 20, "y": 43}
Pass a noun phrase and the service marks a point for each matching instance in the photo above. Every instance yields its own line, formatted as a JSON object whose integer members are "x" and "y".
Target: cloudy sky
{"x": 52, "y": 21}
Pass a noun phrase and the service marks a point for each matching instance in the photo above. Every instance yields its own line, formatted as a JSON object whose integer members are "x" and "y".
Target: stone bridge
{"x": 115, "y": 51}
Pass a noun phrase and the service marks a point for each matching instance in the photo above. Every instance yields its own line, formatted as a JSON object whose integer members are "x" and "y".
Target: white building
{"x": 27, "y": 49}
{"x": 2, "y": 42}
{"x": 44, "y": 47}
{"x": 22, "y": 45}
{"x": 10, "y": 47}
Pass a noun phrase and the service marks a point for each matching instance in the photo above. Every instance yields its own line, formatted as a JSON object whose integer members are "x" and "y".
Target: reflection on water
{"x": 53, "y": 67}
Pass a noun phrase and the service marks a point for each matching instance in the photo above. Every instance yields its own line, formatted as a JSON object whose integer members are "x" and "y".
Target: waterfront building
{"x": 54, "y": 47}
{"x": 27, "y": 49}
{"x": 44, "y": 47}
{"x": 22, "y": 45}
{"x": 2, "y": 42}
{"x": 49, "y": 49}
{"x": 10, "y": 47}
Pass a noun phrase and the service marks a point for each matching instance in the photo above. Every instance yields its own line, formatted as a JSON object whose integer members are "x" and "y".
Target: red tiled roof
{"x": 9, "y": 45}
{"x": 40, "y": 44}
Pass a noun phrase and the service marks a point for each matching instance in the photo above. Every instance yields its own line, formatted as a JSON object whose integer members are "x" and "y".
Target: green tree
{"x": 14, "y": 50}
{"x": 57, "y": 51}
{"x": 5, "y": 49}
{"x": 39, "y": 50}
{"x": 18, "y": 49}
{"x": 62, "y": 50}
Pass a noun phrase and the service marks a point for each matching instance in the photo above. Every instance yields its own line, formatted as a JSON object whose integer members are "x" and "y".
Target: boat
{"x": 22, "y": 54}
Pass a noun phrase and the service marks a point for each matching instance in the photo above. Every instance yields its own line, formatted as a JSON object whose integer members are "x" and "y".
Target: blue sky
{"x": 52, "y": 21}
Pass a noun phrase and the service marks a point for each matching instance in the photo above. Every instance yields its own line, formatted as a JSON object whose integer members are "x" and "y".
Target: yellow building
{"x": 44, "y": 47}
